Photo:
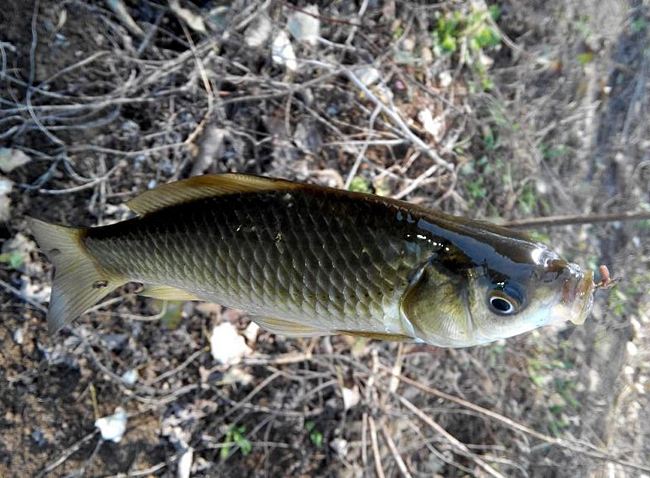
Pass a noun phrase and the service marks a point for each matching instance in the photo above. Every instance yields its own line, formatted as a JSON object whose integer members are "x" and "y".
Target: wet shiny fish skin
{"x": 288, "y": 254}
{"x": 307, "y": 260}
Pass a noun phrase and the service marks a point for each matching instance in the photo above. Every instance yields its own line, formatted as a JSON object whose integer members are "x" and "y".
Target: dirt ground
{"x": 506, "y": 111}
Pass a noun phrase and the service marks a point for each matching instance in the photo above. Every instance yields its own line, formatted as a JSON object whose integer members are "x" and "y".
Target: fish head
{"x": 491, "y": 288}
{"x": 555, "y": 292}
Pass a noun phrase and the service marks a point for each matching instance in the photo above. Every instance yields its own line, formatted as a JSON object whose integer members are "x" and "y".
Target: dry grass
{"x": 109, "y": 102}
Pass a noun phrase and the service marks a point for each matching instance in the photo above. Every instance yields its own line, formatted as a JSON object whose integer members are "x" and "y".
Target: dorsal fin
{"x": 206, "y": 186}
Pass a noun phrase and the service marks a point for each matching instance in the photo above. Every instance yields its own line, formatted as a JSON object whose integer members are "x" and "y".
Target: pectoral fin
{"x": 164, "y": 292}
{"x": 289, "y": 328}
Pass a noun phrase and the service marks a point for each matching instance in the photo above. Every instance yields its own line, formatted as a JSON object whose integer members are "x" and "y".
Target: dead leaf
{"x": 303, "y": 26}
{"x": 258, "y": 32}
{"x": 434, "y": 126}
{"x": 226, "y": 345}
{"x": 351, "y": 397}
{"x": 282, "y": 51}
{"x": 5, "y": 188}
{"x": 194, "y": 21}
{"x": 11, "y": 158}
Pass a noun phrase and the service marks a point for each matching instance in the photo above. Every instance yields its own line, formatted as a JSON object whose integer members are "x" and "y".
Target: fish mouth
{"x": 578, "y": 294}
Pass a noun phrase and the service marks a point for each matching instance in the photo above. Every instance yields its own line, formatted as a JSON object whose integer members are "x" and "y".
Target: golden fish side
{"x": 308, "y": 260}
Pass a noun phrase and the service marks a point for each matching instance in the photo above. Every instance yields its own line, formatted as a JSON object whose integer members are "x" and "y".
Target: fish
{"x": 306, "y": 260}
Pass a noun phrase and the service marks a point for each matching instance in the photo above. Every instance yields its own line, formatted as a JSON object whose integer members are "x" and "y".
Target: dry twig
{"x": 577, "y": 447}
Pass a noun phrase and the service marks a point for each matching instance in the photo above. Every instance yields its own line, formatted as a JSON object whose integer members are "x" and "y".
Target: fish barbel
{"x": 307, "y": 260}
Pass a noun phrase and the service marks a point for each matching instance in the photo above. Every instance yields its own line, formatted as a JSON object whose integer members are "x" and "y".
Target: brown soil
{"x": 104, "y": 114}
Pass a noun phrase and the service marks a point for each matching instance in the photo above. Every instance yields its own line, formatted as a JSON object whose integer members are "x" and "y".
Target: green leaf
{"x": 360, "y": 185}
{"x": 495, "y": 12}
{"x": 487, "y": 37}
{"x": 489, "y": 140}
{"x": 638, "y": 25}
{"x": 448, "y": 44}
{"x": 316, "y": 438}
{"x": 585, "y": 58}
{"x": 242, "y": 442}
{"x": 225, "y": 449}
{"x": 14, "y": 258}
{"x": 235, "y": 435}
{"x": 173, "y": 315}
{"x": 537, "y": 379}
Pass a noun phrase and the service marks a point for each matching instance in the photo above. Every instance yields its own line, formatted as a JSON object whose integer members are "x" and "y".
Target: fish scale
{"x": 260, "y": 253}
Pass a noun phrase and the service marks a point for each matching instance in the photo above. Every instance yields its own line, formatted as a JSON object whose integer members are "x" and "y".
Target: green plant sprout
{"x": 470, "y": 34}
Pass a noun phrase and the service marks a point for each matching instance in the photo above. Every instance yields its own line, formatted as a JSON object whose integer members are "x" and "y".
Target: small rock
{"x": 208, "y": 308}
{"x": 368, "y": 75}
{"x": 114, "y": 341}
{"x": 340, "y": 446}
{"x": 408, "y": 44}
{"x": 236, "y": 375}
{"x": 19, "y": 336}
{"x": 632, "y": 349}
{"x": 113, "y": 426}
{"x": 445, "y": 79}
{"x": 130, "y": 377}
{"x": 39, "y": 437}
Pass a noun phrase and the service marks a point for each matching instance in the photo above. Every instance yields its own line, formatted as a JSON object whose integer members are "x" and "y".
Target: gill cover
{"x": 433, "y": 305}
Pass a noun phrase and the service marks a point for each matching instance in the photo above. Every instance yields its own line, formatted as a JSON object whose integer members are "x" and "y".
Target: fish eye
{"x": 503, "y": 303}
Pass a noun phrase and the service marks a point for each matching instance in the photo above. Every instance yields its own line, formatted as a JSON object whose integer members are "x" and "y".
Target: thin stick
{"x": 120, "y": 11}
{"x": 399, "y": 122}
{"x": 398, "y": 458}
{"x": 32, "y": 73}
{"x": 578, "y": 447}
{"x": 19, "y": 294}
{"x": 321, "y": 17}
{"x": 66, "y": 454}
{"x": 397, "y": 368}
{"x": 416, "y": 182}
{"x": 364, "y": 440}
{"x": 174, "y": 371}
{"x": 449, "y": 437}
{"x": 375, "y": 448}
{"x": 362, "y": 153}
{"x": 577, "y": 219}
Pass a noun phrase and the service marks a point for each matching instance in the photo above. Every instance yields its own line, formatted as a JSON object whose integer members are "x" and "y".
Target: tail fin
{"x": 78, "y": 282}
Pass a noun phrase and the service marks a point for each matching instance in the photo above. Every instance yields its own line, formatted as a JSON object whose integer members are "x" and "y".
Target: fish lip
{"x": 578, "y": 294}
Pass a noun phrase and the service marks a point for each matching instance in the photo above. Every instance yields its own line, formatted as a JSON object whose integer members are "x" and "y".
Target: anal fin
{"x": 376, "y": 335}
{"x": 289, "y": 328}
{"x": 165, "y": 292}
